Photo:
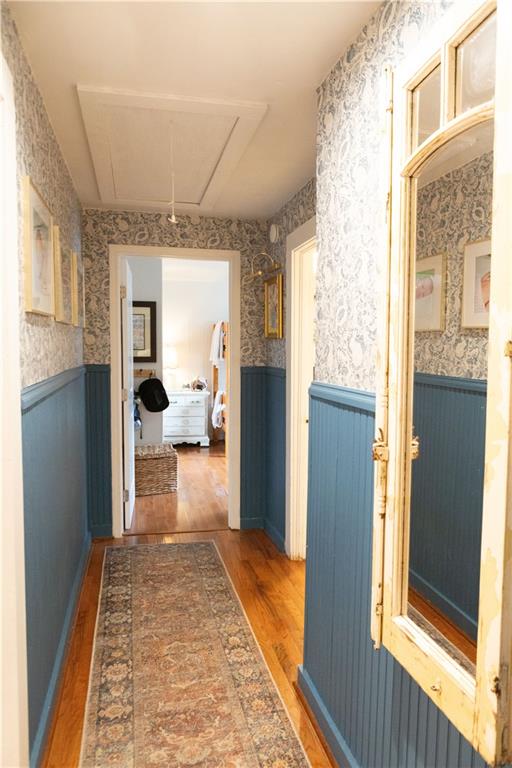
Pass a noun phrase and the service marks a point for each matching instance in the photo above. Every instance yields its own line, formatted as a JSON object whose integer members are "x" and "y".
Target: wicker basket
{"x": 156, "y": 469}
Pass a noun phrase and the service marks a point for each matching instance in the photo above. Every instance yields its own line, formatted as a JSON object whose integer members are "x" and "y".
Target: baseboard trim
{"x": 444, "y": 604}
{"x": 101, "y": 531}
{"x": 246, "y": 523}
{"x": 42, "y": 732}
{"x": 335, "y": 741}
{"x": 276, "y": 536}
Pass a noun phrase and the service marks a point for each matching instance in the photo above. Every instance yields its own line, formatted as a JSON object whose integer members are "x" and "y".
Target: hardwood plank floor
{"x": 271, "y": 589}
{"x": 199, "y": 504}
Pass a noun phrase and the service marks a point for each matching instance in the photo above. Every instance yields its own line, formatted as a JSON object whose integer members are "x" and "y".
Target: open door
{"x": 128, "y": 394}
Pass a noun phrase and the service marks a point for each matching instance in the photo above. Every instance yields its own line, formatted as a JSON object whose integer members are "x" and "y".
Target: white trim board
{"x": 300, "y": 240}
{"x": 118, "y": 252}
{"x": 14, "y": 742}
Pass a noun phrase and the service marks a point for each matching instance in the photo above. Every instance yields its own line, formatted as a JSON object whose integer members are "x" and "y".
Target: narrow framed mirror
{"x": 443, "y": 472}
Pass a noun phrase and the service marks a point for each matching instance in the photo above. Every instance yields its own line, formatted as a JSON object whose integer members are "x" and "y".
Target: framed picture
{"x": 274, "y": 307}
{"x": 78, "y": 291}
{"x": 144, "y": 331}
{"x": 38, "y": 254}
{"x": 477, "y": 285}
{"x": 430, "y": 294}
{"x": 63, "y": 280}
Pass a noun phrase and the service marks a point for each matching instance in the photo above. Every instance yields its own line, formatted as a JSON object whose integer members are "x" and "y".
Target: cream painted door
{"x": 128, "y": 394}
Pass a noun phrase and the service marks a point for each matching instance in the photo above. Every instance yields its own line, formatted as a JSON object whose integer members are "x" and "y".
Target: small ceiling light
{"x": 171, "y": 218}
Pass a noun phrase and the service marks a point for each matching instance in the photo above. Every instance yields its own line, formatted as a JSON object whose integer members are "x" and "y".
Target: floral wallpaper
{"x": 103, "y": 228}
{"x": 299, "y": 209}
{"x": 453, "y": 211}
{"x": 350, "y": 220}
{"x": 47, "y": 347}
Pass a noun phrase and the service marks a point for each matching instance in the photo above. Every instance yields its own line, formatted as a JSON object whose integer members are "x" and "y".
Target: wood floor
{"x": 271, "y": 589}
{"x": 199, "y": 504}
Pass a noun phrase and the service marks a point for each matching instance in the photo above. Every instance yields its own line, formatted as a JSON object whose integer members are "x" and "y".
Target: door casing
{"x": 116, "y": 253}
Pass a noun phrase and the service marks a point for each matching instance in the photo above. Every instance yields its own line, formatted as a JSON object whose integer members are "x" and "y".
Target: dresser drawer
{"x": 180, "y": 429}
{"x": 182, "y": 410}
{"x": 186, "y": 421}
{"x": 187, "y": 401}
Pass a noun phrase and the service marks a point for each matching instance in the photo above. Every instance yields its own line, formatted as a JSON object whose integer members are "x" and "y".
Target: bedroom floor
{"x": 200, "y": 503}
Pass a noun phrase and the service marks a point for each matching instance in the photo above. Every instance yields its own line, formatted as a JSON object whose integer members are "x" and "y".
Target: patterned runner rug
{"x": 177, "y": 678}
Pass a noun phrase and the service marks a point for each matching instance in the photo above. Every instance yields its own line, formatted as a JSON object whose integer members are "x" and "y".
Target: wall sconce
{"x": 258, "y": 268}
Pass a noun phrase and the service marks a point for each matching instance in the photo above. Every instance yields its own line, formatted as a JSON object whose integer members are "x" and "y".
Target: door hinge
{"x": 123, "y": 291}
{"x": 415, "y": 447}
{"x": 124, "y": 395}
{"x": 126, "y": 495}
{"x": 508, "y": 349}
{"x": 378, "y": 609}
{"x": 380, "y": 450}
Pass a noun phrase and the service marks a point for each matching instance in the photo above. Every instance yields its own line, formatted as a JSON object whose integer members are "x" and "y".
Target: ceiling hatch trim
{"x": 129, "y": 135}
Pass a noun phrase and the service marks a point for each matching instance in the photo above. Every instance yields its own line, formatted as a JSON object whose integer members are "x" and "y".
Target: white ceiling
{"x": 271, "y": 55}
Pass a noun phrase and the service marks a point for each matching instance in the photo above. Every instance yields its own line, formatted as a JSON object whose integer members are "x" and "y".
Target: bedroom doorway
{"x": 185, "y": 333}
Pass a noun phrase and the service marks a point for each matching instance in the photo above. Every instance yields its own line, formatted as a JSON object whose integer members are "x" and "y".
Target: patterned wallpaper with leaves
{"x": 453, "y": 211}
{"x": 47, "y": 347}
{"x": 299, "y": 209}
{"x": 104, "y": 228}
{"x": 350, "y": 217}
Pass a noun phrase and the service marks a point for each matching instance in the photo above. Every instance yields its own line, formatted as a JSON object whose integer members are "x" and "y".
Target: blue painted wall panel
{"x": 252, "y": 447}
{"x": 263, "y": 451}
{"x": 372, "y": 713}
{"x": 56, "y": 531}
{"x": 446, "y": 512}
{"x": 99, "y": 462}
{"x": 275, "y": 455}
{"x": 262, "y": 460}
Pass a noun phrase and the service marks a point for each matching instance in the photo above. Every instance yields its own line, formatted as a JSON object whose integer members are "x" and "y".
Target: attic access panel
{"x": 129, "y": 137}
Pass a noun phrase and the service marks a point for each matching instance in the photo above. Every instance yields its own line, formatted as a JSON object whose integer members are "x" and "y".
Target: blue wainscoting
{"x": 447, "y": 495}
{"x": 262, "y": 460}
{"x": 370, "y": 710}
{"x": 99, "y": 461}
{"x": 275, "y": 455}
{"x": 57, "y": 539}
{"x": 253, "y": 475}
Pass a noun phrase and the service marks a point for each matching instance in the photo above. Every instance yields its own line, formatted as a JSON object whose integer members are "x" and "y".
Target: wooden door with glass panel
{"x": 442, "y": 504}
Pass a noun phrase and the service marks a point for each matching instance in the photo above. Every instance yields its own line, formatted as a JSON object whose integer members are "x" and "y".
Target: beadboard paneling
{"x": 275, "y": 455}
{"x": 447, "y": 494}
{"x": 252, "y": 447}
{"x": 371, "y": 711}
{"x": 56, "y": 532}
{"x": 263, "y": 451}
{"x": 99, "y": 460}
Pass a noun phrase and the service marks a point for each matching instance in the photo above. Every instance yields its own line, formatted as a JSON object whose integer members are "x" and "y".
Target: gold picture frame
{"x": 63, "y": 279}
{"x": 274, "y": 307}
{"x": 38, "y": 252}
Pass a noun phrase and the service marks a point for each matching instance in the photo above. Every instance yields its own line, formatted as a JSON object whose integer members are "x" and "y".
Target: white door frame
{"x": 296, "y": 484}
{"x": 14, "y": 747}
{"x": 116, "y": 253}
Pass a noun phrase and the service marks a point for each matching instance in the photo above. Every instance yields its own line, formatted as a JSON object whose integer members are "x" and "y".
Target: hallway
{"x": 271, "y": 589}
{"x": 285, "y": 224}
{"x": 199, "y": 504}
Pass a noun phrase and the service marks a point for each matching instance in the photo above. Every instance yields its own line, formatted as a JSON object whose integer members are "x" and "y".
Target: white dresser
{"x": 186, "y": 418}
